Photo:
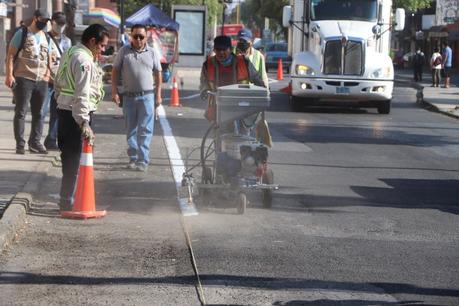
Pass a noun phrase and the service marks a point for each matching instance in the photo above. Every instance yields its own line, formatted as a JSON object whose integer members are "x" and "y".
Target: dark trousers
{"x": 436, "y": 78}
{"x": 70, "y": 143}
{"x": 51, "y": 138}
{"x": 26, "y": 92}
{"x": 418, "y": 73}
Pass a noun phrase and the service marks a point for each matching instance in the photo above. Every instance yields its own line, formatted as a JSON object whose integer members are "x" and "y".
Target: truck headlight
{"x": 382, "y": 73}
{"x": 304, "y": 70}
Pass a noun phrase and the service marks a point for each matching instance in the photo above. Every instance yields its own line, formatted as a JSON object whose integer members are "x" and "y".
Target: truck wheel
{"x": 295, "y": 103}
{"x": 384, "y": 107}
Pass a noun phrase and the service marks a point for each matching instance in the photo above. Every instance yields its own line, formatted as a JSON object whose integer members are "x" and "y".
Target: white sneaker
{"x": 131, "y": 165}
{"x": 142, "y": 167}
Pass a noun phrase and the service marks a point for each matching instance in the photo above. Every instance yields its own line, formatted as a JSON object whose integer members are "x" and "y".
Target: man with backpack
{"x": 27, "y": 74}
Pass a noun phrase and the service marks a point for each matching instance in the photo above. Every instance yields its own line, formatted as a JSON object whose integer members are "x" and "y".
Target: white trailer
{"x": 340, "y": 52}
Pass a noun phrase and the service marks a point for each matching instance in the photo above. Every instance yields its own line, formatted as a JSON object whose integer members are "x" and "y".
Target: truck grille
{"x": 344, "y": 59}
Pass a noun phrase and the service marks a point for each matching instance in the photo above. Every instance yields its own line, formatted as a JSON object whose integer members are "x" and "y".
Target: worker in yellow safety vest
{"x": 79, "y": 89}
{"x": 245, "y": 47}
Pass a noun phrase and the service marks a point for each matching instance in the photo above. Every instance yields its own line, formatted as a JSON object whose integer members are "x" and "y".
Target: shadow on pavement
{"x": 311, "y": 133}
{"x": 256, "y": 282}
{"x": 402, "y": 193}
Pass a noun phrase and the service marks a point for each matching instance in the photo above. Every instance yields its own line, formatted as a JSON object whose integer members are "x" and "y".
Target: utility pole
{"x": 225, "y": 5}
{"x": 223, "y": 19}
{"x": 122, "y": 17}
{"x": 69, "y": 10}
{"x": 238, "y": 13}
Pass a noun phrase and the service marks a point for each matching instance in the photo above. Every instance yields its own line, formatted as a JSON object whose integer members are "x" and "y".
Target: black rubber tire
{"x": 205, "y": 147}
{"x": 241, "y": 203}
{"x": 267, "y": 194}
{"x": 384, "y": 107}
{"x": 207, "y": 177}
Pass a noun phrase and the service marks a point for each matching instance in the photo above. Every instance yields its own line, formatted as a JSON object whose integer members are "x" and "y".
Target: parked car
{"x": 274, "y": 52}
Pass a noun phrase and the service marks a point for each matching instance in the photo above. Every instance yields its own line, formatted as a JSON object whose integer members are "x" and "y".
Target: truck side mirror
{"x": 376, "y": 29}
{"x": 399, "y": 19}
{"x": 287, "y": 16}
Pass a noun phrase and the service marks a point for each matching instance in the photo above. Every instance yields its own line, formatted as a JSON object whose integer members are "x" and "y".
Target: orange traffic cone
{"x": 84, "y": 206}
{"x": 280, "y": 70}
{"x": 174, "y": 94}
{"x": 287, "y": 89}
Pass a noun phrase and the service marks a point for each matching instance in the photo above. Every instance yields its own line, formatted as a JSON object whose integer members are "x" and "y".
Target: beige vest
{"x": 32, "y": 61}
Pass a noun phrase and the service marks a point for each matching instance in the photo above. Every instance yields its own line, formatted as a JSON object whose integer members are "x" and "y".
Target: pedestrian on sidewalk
{"x": 79, "y": 90}
{"x": 419, "y": 61}
{"x": 60, "y": 44}
{"x": 27, "y": 74}
{"x": 139, "y": 66}
{"x": 447, "y": 63}
{"x": 435, "y": 65}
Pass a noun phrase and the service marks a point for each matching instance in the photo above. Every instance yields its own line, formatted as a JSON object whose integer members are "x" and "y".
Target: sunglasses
{"x": 221, "y": 49}
{"x": 138, "y": 36}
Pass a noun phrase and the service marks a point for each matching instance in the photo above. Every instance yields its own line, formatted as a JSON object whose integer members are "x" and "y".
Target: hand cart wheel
{"x": 241, "y": 203}
{"x": 207, "y": 177}
{"x": 267, "y": 194}
{"x": 207, "y": 152}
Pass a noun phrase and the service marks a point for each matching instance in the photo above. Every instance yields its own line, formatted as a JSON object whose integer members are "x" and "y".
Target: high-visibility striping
{"x": 175, "y": 159}
{"x": 86, "y": 159}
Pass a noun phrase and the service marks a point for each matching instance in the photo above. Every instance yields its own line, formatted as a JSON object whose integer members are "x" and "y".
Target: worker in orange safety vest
{"x": 225, "y": 68}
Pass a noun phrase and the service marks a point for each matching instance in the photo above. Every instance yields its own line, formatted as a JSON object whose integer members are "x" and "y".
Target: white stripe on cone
{"x": 86, "y": 159}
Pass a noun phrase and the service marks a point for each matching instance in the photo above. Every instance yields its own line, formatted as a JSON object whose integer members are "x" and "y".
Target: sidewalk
{"x": 20, "y": 175}
{"x": 443, "y": 100}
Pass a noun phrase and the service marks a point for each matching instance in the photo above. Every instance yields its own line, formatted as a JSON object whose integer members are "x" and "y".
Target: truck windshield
{"x": 365, "y": 10}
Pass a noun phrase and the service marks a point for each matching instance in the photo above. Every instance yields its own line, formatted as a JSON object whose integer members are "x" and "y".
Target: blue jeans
{"x": 139, "y": 114}
{"x": 51, "y": 107}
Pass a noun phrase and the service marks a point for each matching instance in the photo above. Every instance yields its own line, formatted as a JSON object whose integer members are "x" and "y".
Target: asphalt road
{"x": 366, "y": 214}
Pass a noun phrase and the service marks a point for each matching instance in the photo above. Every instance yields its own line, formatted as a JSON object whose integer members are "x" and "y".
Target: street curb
{"x": 14, "y": 216}
{"x": 429, "y": 105}
{"x": 425, "y": 103}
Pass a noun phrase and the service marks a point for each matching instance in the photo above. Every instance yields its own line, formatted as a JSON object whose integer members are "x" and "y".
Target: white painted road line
{"x": 175, "y": 158}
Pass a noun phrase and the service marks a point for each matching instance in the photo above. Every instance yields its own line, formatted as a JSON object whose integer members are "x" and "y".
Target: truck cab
{"x": 340, "y": 52}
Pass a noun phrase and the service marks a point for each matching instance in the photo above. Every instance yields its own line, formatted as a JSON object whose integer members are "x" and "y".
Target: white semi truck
{"x": 340, "y": 52}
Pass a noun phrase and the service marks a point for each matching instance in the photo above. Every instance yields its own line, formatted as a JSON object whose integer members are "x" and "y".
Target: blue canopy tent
{"x": 163, "y": 34}
{"x": 150, "y": 15}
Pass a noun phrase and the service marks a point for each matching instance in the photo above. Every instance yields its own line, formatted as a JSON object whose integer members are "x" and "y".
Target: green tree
{"x": 413, "y": 5}
{"x": 255, "y": 11}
